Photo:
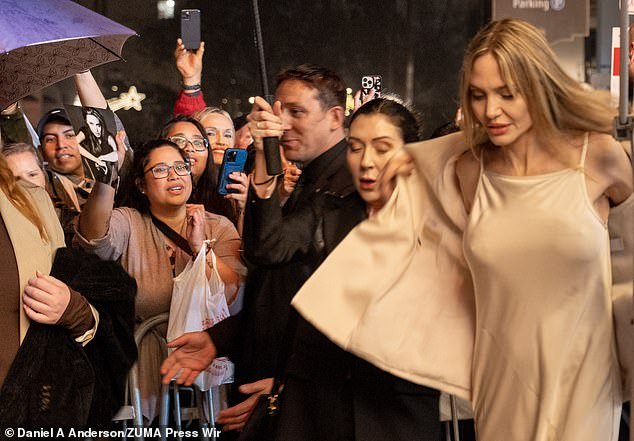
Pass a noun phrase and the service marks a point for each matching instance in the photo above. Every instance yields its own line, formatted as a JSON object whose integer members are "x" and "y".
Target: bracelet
{"x": 192, "y": 87}
{"x": 268, "y": 181}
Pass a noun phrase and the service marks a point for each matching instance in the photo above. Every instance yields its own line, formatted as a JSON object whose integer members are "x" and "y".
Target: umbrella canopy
{"x": 45, "y": 41}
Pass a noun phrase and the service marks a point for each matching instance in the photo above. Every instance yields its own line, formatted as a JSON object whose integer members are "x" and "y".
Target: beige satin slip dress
{"x": 545, "y": 365}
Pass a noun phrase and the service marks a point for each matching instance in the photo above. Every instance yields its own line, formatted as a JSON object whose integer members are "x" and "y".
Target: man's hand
{"x": 45, "y": 299}
{"x": 234, "y": 418}
{"x": 265, "y": 121}
{"x": 194, "y": 353}
{"x": 189, "y": 63}
{"x": 291, "y": 177}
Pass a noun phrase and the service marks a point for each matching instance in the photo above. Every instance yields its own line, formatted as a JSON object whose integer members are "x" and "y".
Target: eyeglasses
{"x": 161, "y": 170}
{"x": 199, "y": 144}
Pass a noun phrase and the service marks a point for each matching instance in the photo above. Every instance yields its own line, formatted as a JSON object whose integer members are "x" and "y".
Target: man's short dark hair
{"x": 331, "y": 90}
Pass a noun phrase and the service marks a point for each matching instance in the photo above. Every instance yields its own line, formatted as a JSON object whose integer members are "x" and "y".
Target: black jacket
{"x": 283, "y": 248}
{"x": 54, "y": 381}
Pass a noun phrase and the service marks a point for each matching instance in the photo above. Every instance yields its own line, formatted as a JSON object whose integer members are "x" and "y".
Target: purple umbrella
{"x": 45, "y": 41}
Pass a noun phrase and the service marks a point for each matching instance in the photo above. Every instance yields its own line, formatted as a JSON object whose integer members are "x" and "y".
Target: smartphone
{"x": 190, "y": 28}
{"x": 369, "y": 82}
{"x": 232, "y": 161}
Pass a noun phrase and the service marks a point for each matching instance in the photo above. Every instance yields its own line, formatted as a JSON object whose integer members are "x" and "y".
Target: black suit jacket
{"x": 283, "y": 247}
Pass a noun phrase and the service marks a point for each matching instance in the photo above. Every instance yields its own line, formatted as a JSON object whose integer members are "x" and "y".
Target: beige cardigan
{"x": 32, "y": 253}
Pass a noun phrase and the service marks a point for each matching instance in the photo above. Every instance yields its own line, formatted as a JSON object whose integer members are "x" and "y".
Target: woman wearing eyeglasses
{"x": 160, "y": 184}
{"x": 191, "y": 138}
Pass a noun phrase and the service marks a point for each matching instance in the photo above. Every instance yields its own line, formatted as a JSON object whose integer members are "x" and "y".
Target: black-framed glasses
{"x": 199, "y": 144}
{"x": 162, "y": 170}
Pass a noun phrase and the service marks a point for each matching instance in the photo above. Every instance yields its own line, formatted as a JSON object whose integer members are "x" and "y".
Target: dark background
{"x": 353, "y": 37}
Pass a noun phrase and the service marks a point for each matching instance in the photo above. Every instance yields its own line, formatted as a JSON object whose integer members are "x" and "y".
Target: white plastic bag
{"x": 198, "y": 304}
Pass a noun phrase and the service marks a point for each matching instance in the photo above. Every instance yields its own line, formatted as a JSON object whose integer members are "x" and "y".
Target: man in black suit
{"x": 283, "y": 245}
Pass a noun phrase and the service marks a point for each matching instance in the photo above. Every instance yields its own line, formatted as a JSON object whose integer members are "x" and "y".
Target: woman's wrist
{"x": 191, "y": 85}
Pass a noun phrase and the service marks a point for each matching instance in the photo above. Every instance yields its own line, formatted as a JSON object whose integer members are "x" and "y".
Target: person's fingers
{"x": 264, "y": 119}
{"x": 239, "y": 177}
{"x": 179, "y": 341}
{"x": 240, "y": 198}
{"x": 260, "y": 104}
{"x": 267, "y": 133}
{"x": 34, "y": 315}
{"x": 195, "y": 207}
{"x": 277, "y": 108}
{"x": 238, "y": 187}
{"x": 191, "y": 377}
{"x": 51, "y": 279}
{"x": 44, "y": 284}
{"x": 168, "y": 363}
{"x": 179, "y": 48}
{"x": 370, "y": 96}
{"x": 357, "y": 99}
{"x": 39, "y": 300}
{"x": 183, "y": 375}
{"x": 195, "y": 211}
{"x": 239, "y": 409}
{"x": 238, "y": 420}
{"x": 36, "y": 305}
{"x": 170, "y": 373}
{"x": 201, "y": 50}
{"x": 264, "y": 384}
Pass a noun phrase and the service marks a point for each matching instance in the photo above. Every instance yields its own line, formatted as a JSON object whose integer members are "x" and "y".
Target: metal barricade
{"x": 204, "y": 411}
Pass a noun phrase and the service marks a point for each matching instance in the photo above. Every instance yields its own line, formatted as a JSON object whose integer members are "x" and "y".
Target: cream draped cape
{"x": 397, "y": 291}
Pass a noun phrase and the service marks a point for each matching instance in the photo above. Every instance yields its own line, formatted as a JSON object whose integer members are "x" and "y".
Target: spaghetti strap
{"x": 481, "y": 159}
{"x": 582, "y": 161}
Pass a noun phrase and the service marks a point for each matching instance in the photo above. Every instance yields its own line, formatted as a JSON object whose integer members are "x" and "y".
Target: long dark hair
{"x": 205, "y": 189}
{"x": 402, "y": 117}
{"x": 102, "y": 140}
{"x": 130, "y": 194}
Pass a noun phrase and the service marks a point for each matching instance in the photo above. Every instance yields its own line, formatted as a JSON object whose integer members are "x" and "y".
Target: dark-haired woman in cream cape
{"x": 407, "y": 307}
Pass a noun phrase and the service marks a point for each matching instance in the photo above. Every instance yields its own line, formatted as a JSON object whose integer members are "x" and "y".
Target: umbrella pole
{"x": 271, "y": 144}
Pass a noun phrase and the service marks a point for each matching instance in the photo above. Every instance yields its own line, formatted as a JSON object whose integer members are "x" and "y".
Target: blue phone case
{"x": 233, "y": 160}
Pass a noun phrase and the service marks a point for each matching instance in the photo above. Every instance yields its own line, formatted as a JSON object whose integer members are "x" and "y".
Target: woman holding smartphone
{"x": 191, "y": 137}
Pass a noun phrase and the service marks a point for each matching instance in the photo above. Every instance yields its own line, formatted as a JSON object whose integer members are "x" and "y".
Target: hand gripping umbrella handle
{"x": 272, "y": 150}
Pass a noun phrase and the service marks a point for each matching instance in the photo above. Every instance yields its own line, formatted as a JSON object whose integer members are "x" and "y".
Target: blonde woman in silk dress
{"x": 538, "y": 183}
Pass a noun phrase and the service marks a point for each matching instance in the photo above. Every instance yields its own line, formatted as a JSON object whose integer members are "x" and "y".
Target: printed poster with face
{"x": 95, "y": 130}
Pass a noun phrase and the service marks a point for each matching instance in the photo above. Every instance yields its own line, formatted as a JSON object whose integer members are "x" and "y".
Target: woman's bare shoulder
{"x": 608, "y": 159}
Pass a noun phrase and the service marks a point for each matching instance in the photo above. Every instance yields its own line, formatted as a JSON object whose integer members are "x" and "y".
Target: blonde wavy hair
{"x": 556, "y": 102}
{"x": 202, "y": 113}
{"x": 19, "y": 198}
